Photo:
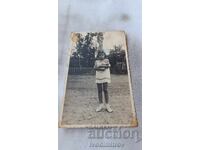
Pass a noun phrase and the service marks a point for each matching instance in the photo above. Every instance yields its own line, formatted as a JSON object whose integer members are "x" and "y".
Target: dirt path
{"x": 81, "y": 101}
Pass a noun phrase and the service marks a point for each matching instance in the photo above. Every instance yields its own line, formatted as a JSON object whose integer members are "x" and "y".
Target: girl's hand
{"x": 106, "y": 65}
{"x": 100, "y": 69}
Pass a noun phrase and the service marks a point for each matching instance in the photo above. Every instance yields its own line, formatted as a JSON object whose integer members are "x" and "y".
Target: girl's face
{"x": 101, "y": 56}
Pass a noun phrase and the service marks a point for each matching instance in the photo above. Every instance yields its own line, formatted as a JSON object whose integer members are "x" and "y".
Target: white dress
{"x": 102, "y": 76}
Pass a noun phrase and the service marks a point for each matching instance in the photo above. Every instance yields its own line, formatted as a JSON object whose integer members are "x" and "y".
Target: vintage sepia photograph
{"x": 98, "y": 85}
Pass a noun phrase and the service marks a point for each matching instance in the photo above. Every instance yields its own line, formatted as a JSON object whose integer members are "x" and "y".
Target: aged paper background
{"x": 98, "y": 15}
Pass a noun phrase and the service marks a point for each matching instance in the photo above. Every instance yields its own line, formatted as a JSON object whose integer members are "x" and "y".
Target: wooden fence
{"x": 119, "y": 68}
{"x": 81, "y": 70}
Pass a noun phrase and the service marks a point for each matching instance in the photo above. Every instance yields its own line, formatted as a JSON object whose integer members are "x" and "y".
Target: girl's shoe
{"x": 108, "y": 108}
{"x": 100, "y": 107}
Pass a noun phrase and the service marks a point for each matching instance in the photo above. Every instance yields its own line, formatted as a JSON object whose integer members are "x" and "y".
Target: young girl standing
{"x": 102, "y": 67}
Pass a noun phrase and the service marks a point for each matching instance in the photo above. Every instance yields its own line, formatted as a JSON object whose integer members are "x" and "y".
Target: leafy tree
{"x": 74, "y": 60}
{"x": 117, "y": 59}
{"x": 85, "y": 50}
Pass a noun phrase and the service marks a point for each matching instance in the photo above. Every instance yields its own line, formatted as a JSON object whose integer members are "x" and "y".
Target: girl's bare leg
{"x": 105, "y": 89}
{"x": 100, "y": 90}
{"x": 100, "y": 97}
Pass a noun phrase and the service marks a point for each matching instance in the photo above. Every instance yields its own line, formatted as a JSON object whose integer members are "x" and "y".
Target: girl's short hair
{"x": 99, "y": 53}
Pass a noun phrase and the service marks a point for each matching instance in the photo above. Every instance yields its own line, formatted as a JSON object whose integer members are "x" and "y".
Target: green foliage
{"x": 117, "y": 58}
{"x": 85, "y": 50}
